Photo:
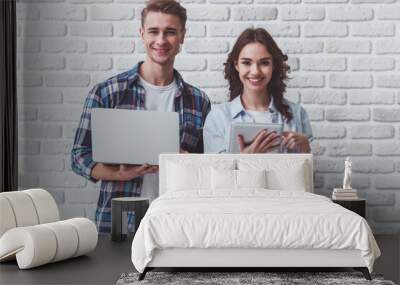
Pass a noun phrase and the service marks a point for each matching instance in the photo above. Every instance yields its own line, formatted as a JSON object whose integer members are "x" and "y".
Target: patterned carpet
{"x": 244, "y": 278}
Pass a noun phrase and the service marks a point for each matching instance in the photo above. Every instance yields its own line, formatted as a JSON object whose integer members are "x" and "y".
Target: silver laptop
{"x": 133, "y": 137}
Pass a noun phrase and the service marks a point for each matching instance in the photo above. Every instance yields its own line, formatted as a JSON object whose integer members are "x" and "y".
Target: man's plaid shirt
{"x": 124, "y": 92}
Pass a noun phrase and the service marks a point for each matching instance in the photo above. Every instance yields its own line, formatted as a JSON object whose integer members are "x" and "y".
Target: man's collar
{"x": 237, "y": 106}
{"x": 133, "y": 77}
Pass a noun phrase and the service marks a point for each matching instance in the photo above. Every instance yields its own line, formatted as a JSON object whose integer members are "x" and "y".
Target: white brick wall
{"x": 344, "y": 56}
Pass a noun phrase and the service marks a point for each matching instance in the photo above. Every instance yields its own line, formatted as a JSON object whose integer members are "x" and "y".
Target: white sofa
{"x": 31, "y": 231}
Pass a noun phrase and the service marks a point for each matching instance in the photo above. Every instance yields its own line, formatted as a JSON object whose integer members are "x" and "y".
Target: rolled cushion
{"x": 45, "y": 205}
{"x": 67, "y": 240}
{"x": 33, "y": 246}
{"x": 7, "y": 220}
{"x": 27, "y": 208}
{"x": 23, "y": 208}
{"x": 41, "y": 244}
{"x": 87, "y": 234}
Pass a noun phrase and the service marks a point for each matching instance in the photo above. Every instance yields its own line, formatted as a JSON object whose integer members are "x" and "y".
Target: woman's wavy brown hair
{"x": 277, "y": 86}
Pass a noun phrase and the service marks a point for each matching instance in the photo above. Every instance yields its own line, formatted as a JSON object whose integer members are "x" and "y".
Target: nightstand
{"x": 356, "y": 205}
{"x": 119, "y": 207}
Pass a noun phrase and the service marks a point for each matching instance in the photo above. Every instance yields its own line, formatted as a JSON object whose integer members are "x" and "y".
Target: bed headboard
{"x": 204, "y": 159}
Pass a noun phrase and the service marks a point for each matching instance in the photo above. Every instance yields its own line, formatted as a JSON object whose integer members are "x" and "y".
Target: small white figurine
{"x": 347, "y": 174}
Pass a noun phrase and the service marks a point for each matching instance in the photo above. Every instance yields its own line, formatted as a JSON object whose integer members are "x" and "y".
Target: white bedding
{"x": 252, "y": 218}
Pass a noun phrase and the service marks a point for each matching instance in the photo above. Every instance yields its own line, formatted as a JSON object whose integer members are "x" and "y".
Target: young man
{"x": 150, "y": 85}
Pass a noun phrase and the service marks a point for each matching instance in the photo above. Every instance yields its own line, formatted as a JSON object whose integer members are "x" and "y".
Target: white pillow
{"x": 226, "y": 179}
{"x": 251, "y": 178}
{"x": 183, "y": 177}
{"x": 223, "y": 179}
{"x": 282, "y": 174}
{"x": 185, "y": 174}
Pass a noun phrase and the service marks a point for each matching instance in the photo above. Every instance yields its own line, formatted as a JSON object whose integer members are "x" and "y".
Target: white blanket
{"x": 250, "y": 219}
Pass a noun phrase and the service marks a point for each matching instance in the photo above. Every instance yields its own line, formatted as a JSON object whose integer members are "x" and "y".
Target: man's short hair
{"x": 170, "y": 7}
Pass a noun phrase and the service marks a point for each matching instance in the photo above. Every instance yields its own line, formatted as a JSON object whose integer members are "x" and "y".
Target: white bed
{"x": 202, "y": 220}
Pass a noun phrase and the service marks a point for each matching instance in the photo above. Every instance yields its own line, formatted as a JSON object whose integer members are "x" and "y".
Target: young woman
{"x": 256, "y": 70}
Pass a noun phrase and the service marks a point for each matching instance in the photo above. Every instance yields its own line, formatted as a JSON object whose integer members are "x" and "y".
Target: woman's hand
{"x": 296, "y": 141}
{"x": 263, "y": 142}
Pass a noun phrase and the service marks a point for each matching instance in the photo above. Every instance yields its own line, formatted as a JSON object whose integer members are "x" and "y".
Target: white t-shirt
{"x": 261, "y": 117}
{"x": 157, "y": 98}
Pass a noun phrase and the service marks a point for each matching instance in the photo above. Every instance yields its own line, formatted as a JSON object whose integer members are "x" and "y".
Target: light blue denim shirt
{"x": 218, "y": 123}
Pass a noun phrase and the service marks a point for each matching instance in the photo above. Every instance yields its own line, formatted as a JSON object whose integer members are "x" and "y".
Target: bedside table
{"x": 356, "y": 205}
{"x": 119, "y": 207}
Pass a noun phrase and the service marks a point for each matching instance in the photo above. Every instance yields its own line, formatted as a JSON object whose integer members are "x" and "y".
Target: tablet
{"x": 249, "y": 132}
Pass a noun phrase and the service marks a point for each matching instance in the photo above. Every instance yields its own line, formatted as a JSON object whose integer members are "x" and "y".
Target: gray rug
{"x": 243, "y": 278}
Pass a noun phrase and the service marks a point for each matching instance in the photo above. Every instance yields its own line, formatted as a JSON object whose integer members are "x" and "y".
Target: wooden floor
{"x": 110, "y": 260}
{"x": 389, "y": 262}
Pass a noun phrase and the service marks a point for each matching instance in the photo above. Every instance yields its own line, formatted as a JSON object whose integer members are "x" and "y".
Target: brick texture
{"x": 344, "y": 58}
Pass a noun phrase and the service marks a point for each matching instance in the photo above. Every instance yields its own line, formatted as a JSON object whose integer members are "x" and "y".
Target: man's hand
{"x": 264, "y": 142}
{"x": 292, "y": 140}
{"x": 123, "y": 172}
{"x": 128, "y": 172}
